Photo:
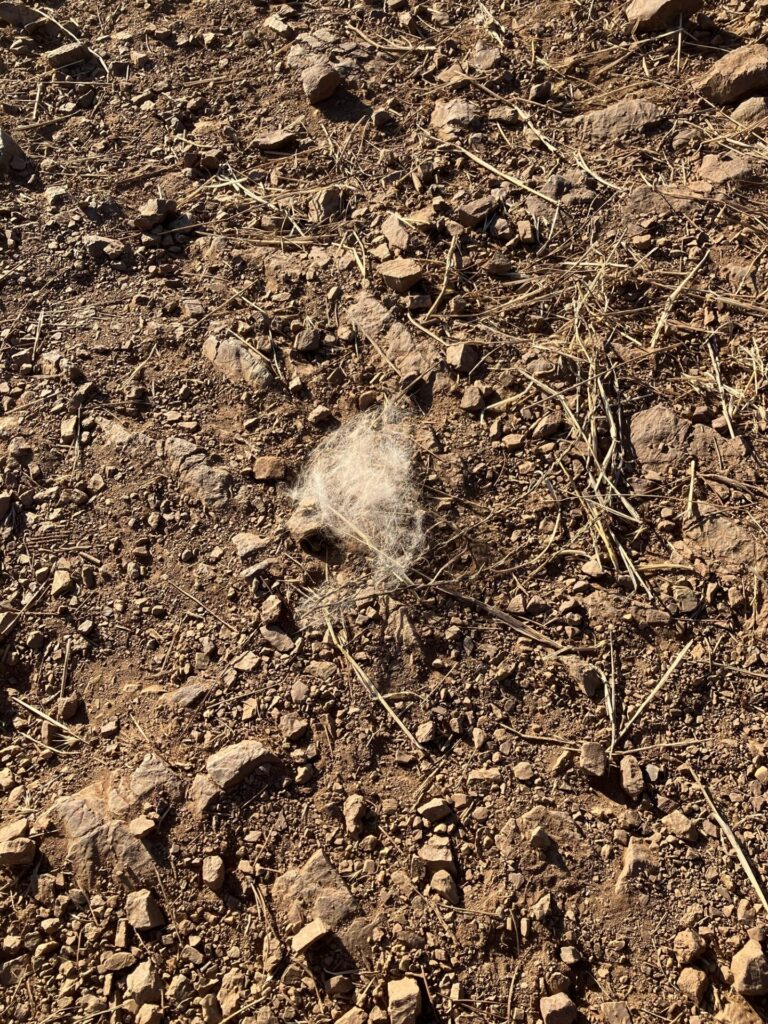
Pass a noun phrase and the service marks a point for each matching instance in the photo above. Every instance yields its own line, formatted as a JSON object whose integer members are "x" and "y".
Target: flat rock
{"x": 656, "y": 14}
{"x": 272, "y": 142}
{"x": 237, "y": 362}
{"x": 315, "y": 890}
{"x": 658, "y": 436}
{"x": 750, "y": 970}
{"x": 230, "y": 765}
{"x": 737, "y": 74}
{"x": 396, "y": 233}
{"x": 725, "y": 545}
{"x": 401, "y": 274}
{"x": 720, "y": 170}
{"x": 311, "y": 933}
{"x": 208, "y": 483}
{"x": 186, "y": 696}
{"x": 96, "y": 840}
{"x": 66, "y": 55}
{"x": 403, "y": 1001}
{"x": 371, "y": 320}
{"x": 621, "y": 118}
{"x": 448, "y": 116}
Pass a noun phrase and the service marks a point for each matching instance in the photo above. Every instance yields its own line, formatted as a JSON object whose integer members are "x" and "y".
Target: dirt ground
{"x": 525, "y": 779}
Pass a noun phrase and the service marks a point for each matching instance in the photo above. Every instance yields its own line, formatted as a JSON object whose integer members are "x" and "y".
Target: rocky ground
{"x": 526, "y": 780}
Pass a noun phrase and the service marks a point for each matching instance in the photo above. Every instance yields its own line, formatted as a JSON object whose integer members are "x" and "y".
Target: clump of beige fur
{"x": 358, "y": 492}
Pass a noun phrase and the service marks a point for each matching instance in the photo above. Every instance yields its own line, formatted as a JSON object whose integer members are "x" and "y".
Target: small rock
{"x": 557, "y": 1009}
{"x": 437, "y": 855}
{"x": 448, "y": 116}
{"x": 750, "y": 970}
{"x": 143, "y": 911}
{"x": 443, "y": 884}
{"x": 230, "y": 765}
{"x": 740, "y": 72}
{"x": 461, "y": 357}
{"x": 66, "y": 55}
{"x": 680, "y": 825}
{"x": 435, "y": 810}
{"x": 593, "y": 760}
{"x": 632, "y": 781}
{"x": 154, "y": 213}
{"x": 615, "y": 1012}
{"x": 320, "y": 82}
{"x": 18, "y": 852}
{"x": 396, "y": 232}
{"x": 12, "y": 156}
{"x": 472, "y": 399}
{"x": 310, "y": 934}
{"x": 689, "y": 946}
{"x": 62, "y": 584}
{"x": 401, "y": 274}
{"x": 621, "y": 118}
{"x": 213, "y": 873}
{"x": 403, "y": 1001}
{"x": 656, "y": 14}
{"x": 692, "y": 983}
{"x": 354, "y": 812}
{"x": 141, "y": 827}
{"x": 268, "y": 467}
{"x": 143, "y": 984}
{"x": 247, "y": 545}
{"x": 273, "y": 142}
{"x": 353, "y": 1016}
{"x": 751, "y": 110}
{"x": 640, "y": 857}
